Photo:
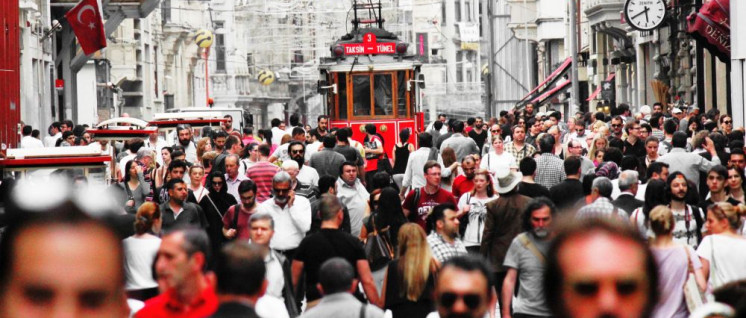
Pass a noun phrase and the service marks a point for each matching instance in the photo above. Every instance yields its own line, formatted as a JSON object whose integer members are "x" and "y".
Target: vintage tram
{"x": 370, "y": 79}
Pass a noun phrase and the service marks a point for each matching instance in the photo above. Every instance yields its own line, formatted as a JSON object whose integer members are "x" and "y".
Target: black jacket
{"x": 627, "y": 202}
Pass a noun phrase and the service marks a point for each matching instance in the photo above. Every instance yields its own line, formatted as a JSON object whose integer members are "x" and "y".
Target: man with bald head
{"x": 61, "y": 264}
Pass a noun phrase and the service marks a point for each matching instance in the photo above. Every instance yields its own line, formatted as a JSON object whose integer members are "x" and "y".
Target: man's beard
{"x": 675, "y": 197}
{"x": 178, "y": 201}
{"x": 301, "y": 161}
{"x": 184, "y": 142}
{"x": 541, "y": 233}
{"x": 251, "y": 205}
{"x": 281, "y": 200}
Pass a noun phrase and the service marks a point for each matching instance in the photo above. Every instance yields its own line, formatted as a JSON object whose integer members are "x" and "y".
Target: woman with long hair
{"x": 160, "y": 173}
{"x": 723, "y": 252}
{"x": 410, "y": 282}
{"x": 655, "y": 195}
{"x": 449, "y": 162}
{"x": 599, "y": 143}
{"x": 203, "y": 145}
{"x": 214, "y": 205}
{"x": 140, "y": 250}
{"x": 673, "y": 260}
{"x": 473, "y": 206}
{"x": 736, "y": 184}
{"x": 401, "y": 152}
{"x": 498, "y": 159}
{"x": 134, "y": 186}
{"x": 386, "y": 218}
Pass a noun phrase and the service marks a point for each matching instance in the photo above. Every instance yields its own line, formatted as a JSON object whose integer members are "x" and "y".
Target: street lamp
{"x": 203, "y": 38}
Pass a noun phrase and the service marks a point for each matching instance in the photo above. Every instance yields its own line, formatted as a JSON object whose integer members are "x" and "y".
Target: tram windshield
{"x": 379, "y": 94}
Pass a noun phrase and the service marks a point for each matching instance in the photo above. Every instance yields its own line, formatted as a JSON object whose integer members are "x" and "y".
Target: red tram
{"x": 370, "y": 79}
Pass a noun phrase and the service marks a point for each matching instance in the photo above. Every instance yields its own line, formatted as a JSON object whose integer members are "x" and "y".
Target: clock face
{"x": 645, "y": 14}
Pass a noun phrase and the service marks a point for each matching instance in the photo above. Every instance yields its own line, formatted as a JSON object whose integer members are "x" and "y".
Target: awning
{"x": 598, "y": 89}
{"x": 547, "y": 83}
{"x": 711, "y": 27}
{"x": 550, "y": 93}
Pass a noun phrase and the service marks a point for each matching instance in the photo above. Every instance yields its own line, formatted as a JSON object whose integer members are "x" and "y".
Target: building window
{"x": 457, "y": 10}
{"x": 460, "y": 66}
{"x": 467, "y": 11}
{"x": 219, "y": 48}
{"x": 166, "y": 10}
{"x": 443, "y": 11}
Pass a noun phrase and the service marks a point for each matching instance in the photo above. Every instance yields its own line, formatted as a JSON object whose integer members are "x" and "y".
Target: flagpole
{"x": 207, "y": 78}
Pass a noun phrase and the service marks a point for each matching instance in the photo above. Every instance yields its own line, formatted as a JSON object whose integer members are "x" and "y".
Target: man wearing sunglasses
{"x": 526, "y": 261}
{"x": 463, "y": 288}
{"x": 617, "y": 125}
{"x": 600, "y": 268}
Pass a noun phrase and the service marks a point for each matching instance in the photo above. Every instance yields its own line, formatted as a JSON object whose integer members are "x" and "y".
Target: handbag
{"x": 377, "y": 247}
{"x": 384, "y": 165}
{"x": 693, "y": 296}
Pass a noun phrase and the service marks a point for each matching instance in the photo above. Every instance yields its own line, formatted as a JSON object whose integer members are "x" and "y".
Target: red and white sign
{"x": 370, "y": 45}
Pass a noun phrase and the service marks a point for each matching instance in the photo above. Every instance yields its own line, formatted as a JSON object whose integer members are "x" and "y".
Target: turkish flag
{"x": 85, "y": 19}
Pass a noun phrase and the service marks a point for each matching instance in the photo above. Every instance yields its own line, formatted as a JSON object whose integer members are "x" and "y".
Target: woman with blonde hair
{"x": 410, "y": 282}
{"x": 674, "y": 262}
{"x": 140, "y": 250}
{"x": 599, "y": 143}
{"x": 723, "y": 252}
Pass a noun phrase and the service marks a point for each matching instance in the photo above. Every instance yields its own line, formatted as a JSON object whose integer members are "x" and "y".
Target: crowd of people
{"x": 640, "y": 214}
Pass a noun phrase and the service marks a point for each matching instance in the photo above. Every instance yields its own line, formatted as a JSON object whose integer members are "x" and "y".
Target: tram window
{"x": 361, "y": 95}
{"x": 383, "y": 98}
{"x": 401, "y": 93}
{"x": 342, "y": 94}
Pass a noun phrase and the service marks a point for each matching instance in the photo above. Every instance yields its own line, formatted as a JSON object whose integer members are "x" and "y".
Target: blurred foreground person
{"x": 61, "y": 264}
{"x": 463, "y": 288}
{"x": 240, "y": 280}
{"x": 181, "y": 266}
{"x": 337, "y": 283}
{"x": 599, "y": 267}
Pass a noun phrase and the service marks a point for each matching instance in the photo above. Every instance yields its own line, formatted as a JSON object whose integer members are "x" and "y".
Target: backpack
{"x": 413, "y": 206}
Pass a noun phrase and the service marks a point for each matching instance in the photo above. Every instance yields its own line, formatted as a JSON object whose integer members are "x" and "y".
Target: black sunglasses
{"x": 297, "y": 151}
{"x": 471, "y": 300}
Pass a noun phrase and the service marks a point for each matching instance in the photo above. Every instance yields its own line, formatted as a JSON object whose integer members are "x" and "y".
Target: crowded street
{"x": 386, "y": 172}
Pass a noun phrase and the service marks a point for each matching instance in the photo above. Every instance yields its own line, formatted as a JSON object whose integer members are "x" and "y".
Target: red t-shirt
{"x": 425, "y": 203}
{"x": 242, "y": 224}
{"x": 166, "y": 306}
{"x": 462, "y": 185}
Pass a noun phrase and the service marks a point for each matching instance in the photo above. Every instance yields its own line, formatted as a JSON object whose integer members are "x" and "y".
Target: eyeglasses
{"x": 494, "y": 131}
{"x": 727, "y": 122}
{"x": 297, "y": 151}
{"x": 218, "y": 183}
{"x": 281, "y": 190}
{"x": 470, "y": 300}
{"x": 616, "y": 125}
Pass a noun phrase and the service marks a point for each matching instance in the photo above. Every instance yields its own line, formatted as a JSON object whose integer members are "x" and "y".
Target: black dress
{"x": 397, "y": 302}
{"x": 402, "y": 156}
{"x": 222, "y": 201}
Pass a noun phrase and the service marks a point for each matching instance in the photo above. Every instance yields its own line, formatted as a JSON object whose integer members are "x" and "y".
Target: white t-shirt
{"x": 682, "y": 234}
{"x": 477, "y": 214}
{"x": 281, "y": 153}
{"x": 308, "y": 175}
{"x": 31, "y": 142}
{"x": 494, "y": 162}
{"x": 139, "y": 256}
{"x": 727, "y": 258}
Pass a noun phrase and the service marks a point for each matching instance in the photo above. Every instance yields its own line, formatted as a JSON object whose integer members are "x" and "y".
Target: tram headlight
{"x": 401, "y": 48}
{"x": 339, "y": 51}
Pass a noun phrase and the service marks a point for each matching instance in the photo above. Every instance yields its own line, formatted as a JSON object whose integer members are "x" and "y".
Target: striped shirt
{"x": 262, "y": 173}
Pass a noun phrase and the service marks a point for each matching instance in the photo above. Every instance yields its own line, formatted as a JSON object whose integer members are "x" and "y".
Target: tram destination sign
{"x": 370, "y": 45}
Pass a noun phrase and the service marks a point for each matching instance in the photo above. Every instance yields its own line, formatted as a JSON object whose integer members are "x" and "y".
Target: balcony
{"x": 603, "y": 11}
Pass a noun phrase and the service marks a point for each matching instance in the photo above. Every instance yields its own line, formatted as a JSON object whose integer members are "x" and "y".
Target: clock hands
{"x": 646, "y": 15}
{"x": 645, "y": 12}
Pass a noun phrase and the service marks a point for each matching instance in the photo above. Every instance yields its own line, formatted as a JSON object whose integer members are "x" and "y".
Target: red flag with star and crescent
{"x": 85, "y": 20}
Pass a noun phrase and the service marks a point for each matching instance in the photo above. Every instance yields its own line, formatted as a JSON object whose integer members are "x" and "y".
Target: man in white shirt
{"x": 262, "y": 229}
{"x": 281, "y": 152}
{"x": 232, "y": 177}
{"x": 291, "y": 213}
{"x": 29, "y": 142}
{"x": 277, "y": 132}
{"x": 307, "y": 174}
{"x": 54, "y": 134}
{"x": 354, "y": 196}
{"x": 184, "y": 133}
{"x": 156, "y": 143}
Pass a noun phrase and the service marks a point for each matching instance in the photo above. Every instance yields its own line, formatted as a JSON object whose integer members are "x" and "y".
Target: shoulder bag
{"x": 693, "y": 296}
{"x": 377, "y": 247}
{"x": 523, "y": 237}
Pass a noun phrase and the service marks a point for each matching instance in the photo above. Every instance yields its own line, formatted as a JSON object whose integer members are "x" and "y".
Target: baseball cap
{"x": 676, "y": 110}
